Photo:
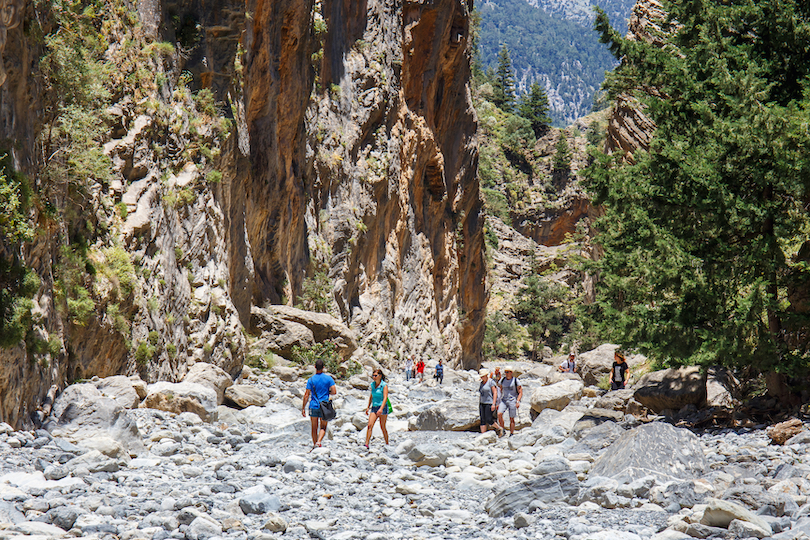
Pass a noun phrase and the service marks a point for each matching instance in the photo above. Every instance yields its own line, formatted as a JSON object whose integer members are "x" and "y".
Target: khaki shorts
{"x": 511, "y": 407}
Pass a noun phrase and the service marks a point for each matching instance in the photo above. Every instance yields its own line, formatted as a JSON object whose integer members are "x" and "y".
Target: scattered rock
{"x": 183, "y": 397}
{"x": 671, "y": 389}
{"x": 244, "y": 395}
{"x": 784, "y": 431}
{"x": 209, "y": 375}
{"x": 648, "y": 450}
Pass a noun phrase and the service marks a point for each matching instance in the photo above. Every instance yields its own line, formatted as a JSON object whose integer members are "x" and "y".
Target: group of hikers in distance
{"x": 498, "y": 395}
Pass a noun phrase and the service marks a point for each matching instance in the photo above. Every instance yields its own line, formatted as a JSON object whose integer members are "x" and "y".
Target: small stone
{"x": 275, "y": 523}
{"x": 522, "y": 520}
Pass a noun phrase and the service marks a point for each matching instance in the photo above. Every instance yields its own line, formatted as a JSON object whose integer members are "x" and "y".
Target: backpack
{"x": 500, "y": 383}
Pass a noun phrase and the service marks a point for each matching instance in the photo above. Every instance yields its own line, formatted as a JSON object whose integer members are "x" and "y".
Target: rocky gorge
{"x": 207, "y": 162}
{"x": 212, "y": 457}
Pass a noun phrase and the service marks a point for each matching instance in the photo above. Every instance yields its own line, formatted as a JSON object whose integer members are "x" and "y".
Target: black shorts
{"x": 486, "y": 414}
{"x": 617, "y": 385}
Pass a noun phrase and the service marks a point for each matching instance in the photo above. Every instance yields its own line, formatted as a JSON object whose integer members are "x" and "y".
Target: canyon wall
{"x": 336, "y": 137}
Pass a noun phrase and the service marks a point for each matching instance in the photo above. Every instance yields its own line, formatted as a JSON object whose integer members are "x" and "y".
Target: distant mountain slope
{"x": 553, "y": 42}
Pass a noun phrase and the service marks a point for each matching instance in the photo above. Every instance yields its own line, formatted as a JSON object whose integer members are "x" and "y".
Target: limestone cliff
{"x": 394, "y": 212}
{"x": 236, "y": 150}
{"x": 629, "y": 128}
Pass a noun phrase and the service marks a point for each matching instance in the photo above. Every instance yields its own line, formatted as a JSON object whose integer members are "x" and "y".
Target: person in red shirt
{"x": 420, "y": 370}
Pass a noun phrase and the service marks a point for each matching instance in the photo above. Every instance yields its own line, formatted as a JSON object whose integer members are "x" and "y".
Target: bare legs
{"x": 317, "y": 435}
{"x": 383, "y": 420}
{"x": 372, "y": 419}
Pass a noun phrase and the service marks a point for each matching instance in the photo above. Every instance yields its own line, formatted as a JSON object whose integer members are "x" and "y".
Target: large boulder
{"x": 211, "y": 376}
{"x": 553, "y": 487}
{"x": 615, "y": 401}
{"x": 182, "y": 397}
{"x": 120, "y": 389}
{"x": 448, "y": 415}
{"x": 720, "y": 513}
{"x": 595, "y": 365}
{"x": 245, "y": 395}
{"x": 671, "y": 389}
{"x": 83, "y": 412}
{"x": 279, "y": 335}
{"x": 721, "y": 387}
{"x": 656, "y": 449}
{"x": 322, "y": 326}
{"x": 556, "y": 396}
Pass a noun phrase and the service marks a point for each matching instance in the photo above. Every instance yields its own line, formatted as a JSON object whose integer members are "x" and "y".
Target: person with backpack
{"x": 319, "y": 387}
{"x": 420, "y": 370}
{"x": 511, "y": 396}
{"x": 488, "y": 402}
{"x": 378, "y": 405}
{"x": 439, "y": 372}
{"x": 570, "y": 365}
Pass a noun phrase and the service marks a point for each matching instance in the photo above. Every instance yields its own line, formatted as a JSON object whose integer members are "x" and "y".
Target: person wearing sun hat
{"x": 488, "y": 402}
{"x": 511, "y": 395}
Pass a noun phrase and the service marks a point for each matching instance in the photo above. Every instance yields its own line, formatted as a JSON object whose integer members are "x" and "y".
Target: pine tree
{"x": 539, "y": 306}
{"x": 504, "y": 82}
{"x": 562, "y": 155}
{"x": 703, "y": 233}
{"x": 534, "y": 108}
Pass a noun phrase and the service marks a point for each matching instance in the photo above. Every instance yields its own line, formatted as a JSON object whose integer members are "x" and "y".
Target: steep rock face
{"x": 343, "y": 138}
{"x": 277, "y": 87}
{"x": 176, "y": 238}
{"x": 629, "y": 128}
{"x": 394, "y": 214}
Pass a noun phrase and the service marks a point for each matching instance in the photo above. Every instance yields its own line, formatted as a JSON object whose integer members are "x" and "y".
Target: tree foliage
{"x": 503, "y": 82}
{"x": 703, "y": 233}
{"x": 539, "y": 306}
{"x": 534, "y": 108}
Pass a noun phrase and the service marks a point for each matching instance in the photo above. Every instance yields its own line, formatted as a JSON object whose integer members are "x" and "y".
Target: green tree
{"x": 703, "y": 232}
{"x": 562, "y": 155}
{"x": 534, "y": 108}
{"x": 503, "y": 82}
{"x": 539, "y": 307}
{"x": 501, "y": 337}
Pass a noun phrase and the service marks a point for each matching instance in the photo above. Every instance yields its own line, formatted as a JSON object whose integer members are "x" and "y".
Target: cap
{"x": 572, "y": 353}
{"x": 483, "y": 372}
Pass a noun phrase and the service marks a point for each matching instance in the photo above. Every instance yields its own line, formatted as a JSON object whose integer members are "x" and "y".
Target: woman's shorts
{"x": 485, "y": 414}
{"x": 511, "y": 407}
{"x": 616, "y": 385}
{"x": 315, "y": 413}
{"x": 382, "y": 410}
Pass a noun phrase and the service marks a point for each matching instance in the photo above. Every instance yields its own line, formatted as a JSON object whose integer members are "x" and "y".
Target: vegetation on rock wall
{"x": 705, "y": 236}
{"x": 17, "y": 282}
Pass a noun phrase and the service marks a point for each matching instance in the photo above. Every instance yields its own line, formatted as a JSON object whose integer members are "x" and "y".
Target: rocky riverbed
{"x": 109, "y": 467}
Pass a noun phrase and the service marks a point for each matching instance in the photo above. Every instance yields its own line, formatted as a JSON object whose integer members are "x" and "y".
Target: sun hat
{"x": 508, "y": 368}
{"x": 483, "y": 372}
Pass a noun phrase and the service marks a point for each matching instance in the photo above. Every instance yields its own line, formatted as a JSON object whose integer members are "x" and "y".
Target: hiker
{"x": 496, "y": 375}
{"x": 488, "y": 402}
{"x": 420, "y": 370}
{"x": 378, "y": 405}
{"x": 570, "y": 364}
{"x": 409, "y": 368}
{"x": 618, "y": 373}
{"x": 511, "y": 395}
{"x": 439, "y": 372}
{"x": 319, "y": 387}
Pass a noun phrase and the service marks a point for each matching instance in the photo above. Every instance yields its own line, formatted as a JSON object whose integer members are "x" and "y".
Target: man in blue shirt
{"x": 319, "y": 387}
